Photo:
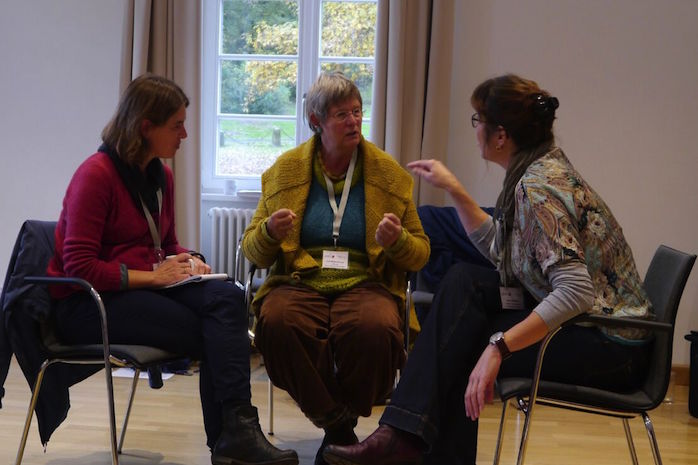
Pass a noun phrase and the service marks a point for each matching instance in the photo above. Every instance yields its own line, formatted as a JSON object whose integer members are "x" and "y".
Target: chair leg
{"x": 271, "y": 408}
{"x": 498, "y": 447}
{"x": 653, "y": 438}
{"x": 535, "y": 381}
{"x": 112, "y": 415}
{"x": 629, "y": 437}
{"x": 528, "y": 412}
{"x": 32, "y": 406}
{"x": 134, "y": 383}
{"x": 30, "y": 412}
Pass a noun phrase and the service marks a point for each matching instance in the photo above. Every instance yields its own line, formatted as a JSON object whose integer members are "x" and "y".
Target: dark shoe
{"x": 243, "y": 443}
{"x": 386, "y": 446}
{"x": 341, "y": 435}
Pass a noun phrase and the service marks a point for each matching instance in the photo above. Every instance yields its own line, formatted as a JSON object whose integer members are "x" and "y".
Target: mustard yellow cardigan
{"x": 388, "y": 189}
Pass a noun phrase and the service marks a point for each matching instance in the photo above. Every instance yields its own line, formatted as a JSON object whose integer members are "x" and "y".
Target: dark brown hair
{"x": 148, "y": 97}
{"x": 524, "y": 110}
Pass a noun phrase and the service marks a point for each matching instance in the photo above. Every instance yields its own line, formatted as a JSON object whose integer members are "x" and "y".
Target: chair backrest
{"x": 24, "y": 306}
{"x": 30, "y": 256}
{"x": 664, "y": 283}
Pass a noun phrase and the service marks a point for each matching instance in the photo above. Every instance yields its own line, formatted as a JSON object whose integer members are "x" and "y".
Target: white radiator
{"x": 227, "y": 227}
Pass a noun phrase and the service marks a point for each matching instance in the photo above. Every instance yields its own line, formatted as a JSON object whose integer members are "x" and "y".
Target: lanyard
{"x": 156, "y": 233}
{"x": 339, "y": 210}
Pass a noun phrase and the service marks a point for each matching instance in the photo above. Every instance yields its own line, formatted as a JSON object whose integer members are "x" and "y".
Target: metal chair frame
{"x": 32, "y": 251}
{"x": 528, "y": 399}
{"x": 95, "y": 354}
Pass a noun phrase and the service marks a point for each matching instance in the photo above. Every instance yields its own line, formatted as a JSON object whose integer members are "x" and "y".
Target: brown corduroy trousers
{"x": 337, "y": 356}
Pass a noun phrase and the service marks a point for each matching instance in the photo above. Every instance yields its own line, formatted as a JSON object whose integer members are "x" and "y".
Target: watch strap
{"x": 502, "y": 347}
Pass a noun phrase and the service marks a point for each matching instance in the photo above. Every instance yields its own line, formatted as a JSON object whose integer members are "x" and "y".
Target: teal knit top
{"x": 316, "y": 232}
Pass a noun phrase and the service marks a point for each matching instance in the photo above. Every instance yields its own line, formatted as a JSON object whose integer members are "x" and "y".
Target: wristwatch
{"x": 497, "y": 340}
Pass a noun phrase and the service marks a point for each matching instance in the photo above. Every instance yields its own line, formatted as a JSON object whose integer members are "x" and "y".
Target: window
{"x": 260, "y": 56}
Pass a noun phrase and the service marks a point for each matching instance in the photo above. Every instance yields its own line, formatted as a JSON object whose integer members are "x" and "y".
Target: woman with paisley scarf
{"x": 558, "y": 251}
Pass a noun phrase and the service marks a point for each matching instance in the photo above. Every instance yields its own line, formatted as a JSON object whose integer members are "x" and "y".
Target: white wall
{"x": 626, "y": 74}
{"x": 59, "y": 84}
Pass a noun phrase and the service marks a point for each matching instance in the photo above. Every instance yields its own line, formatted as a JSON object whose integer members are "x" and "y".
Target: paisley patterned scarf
{"x": 506, "y": 204}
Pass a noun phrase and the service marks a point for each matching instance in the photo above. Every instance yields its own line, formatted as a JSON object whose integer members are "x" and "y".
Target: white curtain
{"x": 412, "y": 83}
{"x": 164, "y": 37}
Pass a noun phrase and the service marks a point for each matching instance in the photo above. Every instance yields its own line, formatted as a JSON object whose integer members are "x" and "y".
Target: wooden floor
{"x": 166, "y": 428}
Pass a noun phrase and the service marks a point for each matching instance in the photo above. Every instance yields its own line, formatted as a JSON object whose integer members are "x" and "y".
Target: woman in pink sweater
{"x": 116, "y": 230}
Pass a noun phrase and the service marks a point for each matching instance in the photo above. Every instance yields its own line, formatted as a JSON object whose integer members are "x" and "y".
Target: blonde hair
{"x": 148, "y": 97}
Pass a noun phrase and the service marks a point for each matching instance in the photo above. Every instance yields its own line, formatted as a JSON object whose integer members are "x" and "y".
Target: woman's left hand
{"x": 480, "y": 388}
{"x": 388, "y": 230}
{"x": 198, "y": 266}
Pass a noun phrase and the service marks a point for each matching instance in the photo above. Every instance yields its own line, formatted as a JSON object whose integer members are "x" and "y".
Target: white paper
{"x": 128, "y": 373}
{"x": 198, "y": 278}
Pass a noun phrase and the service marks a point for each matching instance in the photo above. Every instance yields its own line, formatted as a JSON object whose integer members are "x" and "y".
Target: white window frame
{"x": 308, "y": 66}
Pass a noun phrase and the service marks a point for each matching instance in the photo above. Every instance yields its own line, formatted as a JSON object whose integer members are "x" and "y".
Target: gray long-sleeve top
{"x": 572, "y": 289}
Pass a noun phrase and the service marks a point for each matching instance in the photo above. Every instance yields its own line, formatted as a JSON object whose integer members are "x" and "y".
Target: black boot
{"x": 243, "y": 443}
{"x": 339, "y": 435}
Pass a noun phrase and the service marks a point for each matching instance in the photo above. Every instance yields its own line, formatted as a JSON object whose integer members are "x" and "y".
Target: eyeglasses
{"x": 343, "y": 116}
{"x": 476, "y": 119}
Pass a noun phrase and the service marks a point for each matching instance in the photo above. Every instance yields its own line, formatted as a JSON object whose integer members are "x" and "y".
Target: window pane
{"x": 260, "y": 27}
{"x": 348, "y": 29}
{"x": 362, "y": 75}
{"x": 250, "y": 147}
{"x": 258, "y": 87}
{"x": 366, "y": 128}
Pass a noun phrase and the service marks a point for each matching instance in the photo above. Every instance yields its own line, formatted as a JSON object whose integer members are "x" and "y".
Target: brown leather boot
{"x": 386, "y": 446}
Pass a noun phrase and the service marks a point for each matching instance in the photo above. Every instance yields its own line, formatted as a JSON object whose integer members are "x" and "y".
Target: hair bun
{"x": 545, "y": 106}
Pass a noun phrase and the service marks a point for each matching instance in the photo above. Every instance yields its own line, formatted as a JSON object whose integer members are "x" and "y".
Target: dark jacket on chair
{"x": 23, "y": 309}
{"x": 449, "y": 244}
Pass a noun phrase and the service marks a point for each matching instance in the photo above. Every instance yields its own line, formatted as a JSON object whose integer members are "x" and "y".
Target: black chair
{"x": 26, "y": 307}
{"x": 664, "y": 283}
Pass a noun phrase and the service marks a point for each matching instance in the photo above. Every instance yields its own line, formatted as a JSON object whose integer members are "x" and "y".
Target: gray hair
{"x": 329, "y": 88}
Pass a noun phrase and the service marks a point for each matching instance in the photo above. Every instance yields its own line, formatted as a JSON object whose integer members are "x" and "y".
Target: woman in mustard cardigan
{"x": 328, "y": 319}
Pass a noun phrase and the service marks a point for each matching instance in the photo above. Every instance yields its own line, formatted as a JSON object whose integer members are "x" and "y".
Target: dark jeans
{"x": 429, "y": 400}
{"x": 206, "y": 321}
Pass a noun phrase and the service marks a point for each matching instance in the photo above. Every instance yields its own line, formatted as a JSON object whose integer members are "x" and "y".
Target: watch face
{"x": 496, "y": 336}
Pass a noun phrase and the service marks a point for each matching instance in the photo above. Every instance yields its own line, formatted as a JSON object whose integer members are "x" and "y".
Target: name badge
{"x": 512, "y": 298}
{"x": 337, "y": 259}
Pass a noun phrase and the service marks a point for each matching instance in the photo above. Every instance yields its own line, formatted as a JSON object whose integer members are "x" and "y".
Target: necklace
{"x": 332, "y": 176}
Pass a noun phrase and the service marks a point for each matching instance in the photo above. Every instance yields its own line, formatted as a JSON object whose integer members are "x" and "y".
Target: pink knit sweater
{"x": 101, "y": 228}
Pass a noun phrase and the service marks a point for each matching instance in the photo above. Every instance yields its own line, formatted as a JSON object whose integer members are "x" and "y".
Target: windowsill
{"x": 241, "y": 196}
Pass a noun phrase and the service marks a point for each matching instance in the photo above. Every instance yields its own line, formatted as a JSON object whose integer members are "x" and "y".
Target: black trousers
{"x": 429, "y": 400}
{"x": 206, "y": 321}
